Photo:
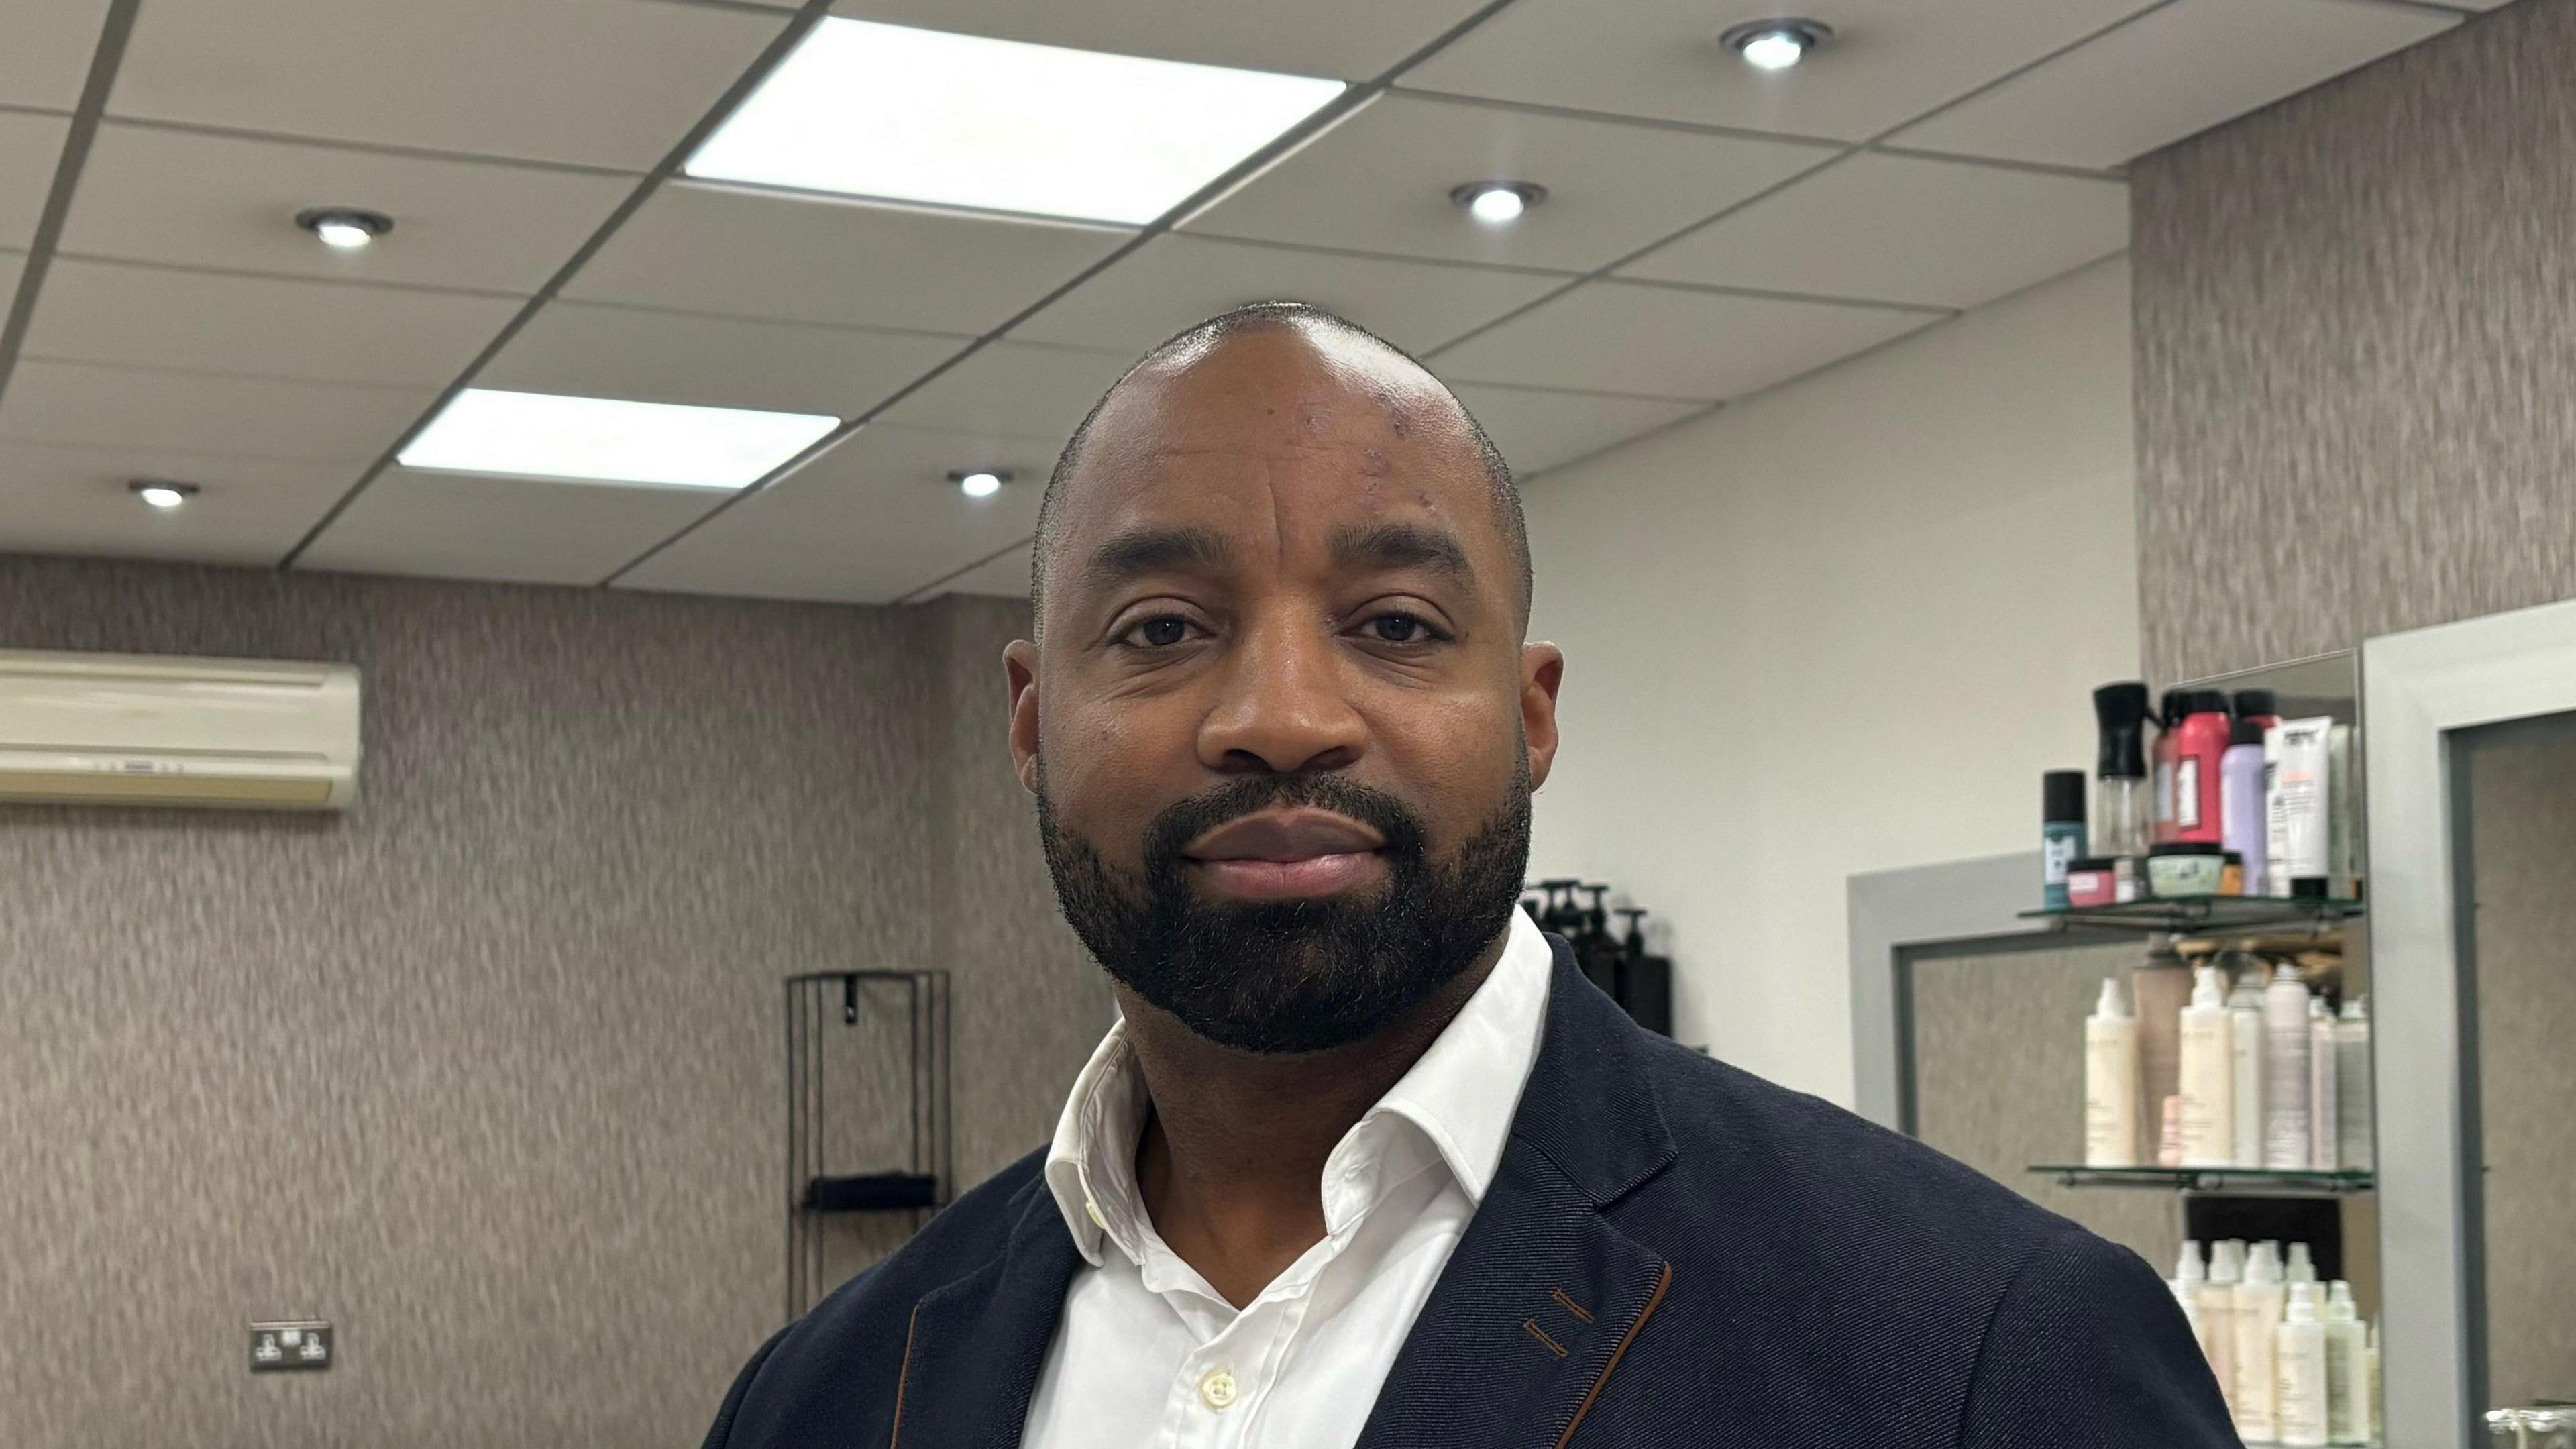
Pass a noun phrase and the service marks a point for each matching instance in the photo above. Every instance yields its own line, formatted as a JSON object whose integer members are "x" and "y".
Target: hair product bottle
{"x": 2208, "y": 1075}
{"x": 2245, "y": 1056}
{"x": 2218, "y": 1314}
{"x": 2352, "y": 1087}
{"x": 2258, "y": 1314}
{"x": 2061, "y": 833}
{"x": 2244, "y": 825}
{"x": 2347, "y": 1385}
{"x": 2190, "y": 1272}
{"x": 2297, "y": 855}
{"x": 2301, "y": 1268}
{"x": 2285, "y": 1072}
{"x": 2123, "y": 814}
{"x": 2325, "y": 1129}
{"x": 2169, "y": 713}
{"x": 2158, "y": 991}
{"x": 2200, "y": 748}
{"x": 2370, "y": 1387}
{"x": 2111, "y": 1082}
{"x": 2301, "y": 1373}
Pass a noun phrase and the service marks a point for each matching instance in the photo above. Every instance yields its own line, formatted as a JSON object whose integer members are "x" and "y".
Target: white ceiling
{"x": 1708, "y": 232}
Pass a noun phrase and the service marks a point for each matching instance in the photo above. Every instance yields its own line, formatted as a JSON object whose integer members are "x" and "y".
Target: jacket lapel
{"x": 976, "y": 1346}
{"x": 1543, "y": 1296}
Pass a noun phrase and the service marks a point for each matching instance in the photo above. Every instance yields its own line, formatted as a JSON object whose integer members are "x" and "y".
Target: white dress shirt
{"x": 1147, "y": 1354}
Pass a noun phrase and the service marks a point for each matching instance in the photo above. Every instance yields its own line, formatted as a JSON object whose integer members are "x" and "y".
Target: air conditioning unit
{"x": 134, "y": 729}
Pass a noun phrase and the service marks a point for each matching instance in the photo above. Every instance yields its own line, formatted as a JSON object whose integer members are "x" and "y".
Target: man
{"x": 1367, "y": 1161}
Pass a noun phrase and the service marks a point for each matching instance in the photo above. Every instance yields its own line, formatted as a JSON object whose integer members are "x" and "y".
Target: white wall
{"x": 1842, "y": 626}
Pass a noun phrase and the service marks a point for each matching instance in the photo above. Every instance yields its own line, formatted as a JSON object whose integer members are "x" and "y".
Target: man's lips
{"x": 1285, "y": 835}
{"x": 1287, "y": 854}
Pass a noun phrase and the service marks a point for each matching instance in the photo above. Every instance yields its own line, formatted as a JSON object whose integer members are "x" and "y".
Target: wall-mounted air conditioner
{"x": 133, "y": 729}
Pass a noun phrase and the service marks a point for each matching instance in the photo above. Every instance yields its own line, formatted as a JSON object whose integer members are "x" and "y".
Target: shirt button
{"x": 1217, "y": 1388}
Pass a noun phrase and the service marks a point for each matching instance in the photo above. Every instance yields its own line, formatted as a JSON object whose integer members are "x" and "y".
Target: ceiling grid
{"x": 1708, "y": 232}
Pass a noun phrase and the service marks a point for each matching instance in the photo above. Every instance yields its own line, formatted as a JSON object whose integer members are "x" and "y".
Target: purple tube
{"x": 2243, "y": 827}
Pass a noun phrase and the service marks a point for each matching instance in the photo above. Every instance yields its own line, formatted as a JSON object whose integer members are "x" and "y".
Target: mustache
{"x": 1178, "y": 824}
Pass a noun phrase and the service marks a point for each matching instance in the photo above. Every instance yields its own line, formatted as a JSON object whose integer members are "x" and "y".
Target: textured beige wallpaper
{"x": 2522, "y": 834}
{"x": 486, "y": 1071}
{"x": 1999, "y": 1080}
{"x": 2356, "y": 353}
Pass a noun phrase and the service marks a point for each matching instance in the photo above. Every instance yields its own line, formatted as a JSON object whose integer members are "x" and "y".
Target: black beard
{"x": 1292, "y": 976}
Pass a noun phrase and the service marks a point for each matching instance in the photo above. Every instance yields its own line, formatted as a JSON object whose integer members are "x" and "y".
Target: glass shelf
{"x": 2209, "y": 915}
{"x": 2241, "y": 1181}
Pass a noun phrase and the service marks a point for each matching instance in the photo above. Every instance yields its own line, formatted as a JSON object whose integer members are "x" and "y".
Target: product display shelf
{"x": 820, "y": 1093}
{"x": 2208, "y": 915}
{"x": 2236, "y": 1181}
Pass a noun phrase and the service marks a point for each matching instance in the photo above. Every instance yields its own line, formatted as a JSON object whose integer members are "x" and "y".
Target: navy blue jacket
{"x": 1672, "y": 1252}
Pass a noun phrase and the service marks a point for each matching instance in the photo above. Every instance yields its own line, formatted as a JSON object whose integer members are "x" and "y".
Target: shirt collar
{"x": 1450, "y": 1096}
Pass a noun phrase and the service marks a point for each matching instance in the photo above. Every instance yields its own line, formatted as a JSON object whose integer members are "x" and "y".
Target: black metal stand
{"x": 927, "y": 1179}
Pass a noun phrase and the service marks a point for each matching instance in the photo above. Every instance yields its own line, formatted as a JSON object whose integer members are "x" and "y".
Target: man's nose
{"x": 1283, "y": 703}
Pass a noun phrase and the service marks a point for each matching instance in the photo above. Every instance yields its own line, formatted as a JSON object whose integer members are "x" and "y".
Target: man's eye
{"x": 1399, "y": 629}
{"x": 1162, "y": 632}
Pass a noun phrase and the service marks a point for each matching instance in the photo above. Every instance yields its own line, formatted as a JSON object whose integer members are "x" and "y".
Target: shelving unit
{"x": 924, "y": 1181}
{"x": 2233, "y": 1181}
{"x": 2208, "y": 915}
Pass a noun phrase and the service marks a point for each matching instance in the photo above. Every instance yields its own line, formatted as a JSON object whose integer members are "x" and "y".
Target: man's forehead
{"x": 1299, "y": 421}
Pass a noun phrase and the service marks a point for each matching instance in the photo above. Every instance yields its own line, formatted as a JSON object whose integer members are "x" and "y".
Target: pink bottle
{"x": 2200, "y": 750}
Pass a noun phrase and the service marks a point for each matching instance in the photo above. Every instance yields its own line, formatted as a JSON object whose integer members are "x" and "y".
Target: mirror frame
{"x": 2418, "y": 688}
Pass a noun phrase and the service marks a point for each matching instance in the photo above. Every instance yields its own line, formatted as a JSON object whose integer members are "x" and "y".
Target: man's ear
{"x": 1020, "y": 672}
{"x": 1542, "y": 671}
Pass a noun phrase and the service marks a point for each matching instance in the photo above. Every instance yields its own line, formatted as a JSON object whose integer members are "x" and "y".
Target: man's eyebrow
{"x": 1140, "y": 551}
{"x": 1401, "y": 545}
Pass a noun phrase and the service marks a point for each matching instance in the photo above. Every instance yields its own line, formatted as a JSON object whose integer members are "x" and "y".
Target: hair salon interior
{"x": 2061, "y": 515}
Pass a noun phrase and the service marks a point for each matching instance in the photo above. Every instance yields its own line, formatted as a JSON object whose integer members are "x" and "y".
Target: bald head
{"x": 1273, "y": 374}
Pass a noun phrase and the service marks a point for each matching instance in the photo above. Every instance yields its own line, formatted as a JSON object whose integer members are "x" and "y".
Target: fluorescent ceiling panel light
{"x": 607, "y": 440}
{"x": 888, "y": 111}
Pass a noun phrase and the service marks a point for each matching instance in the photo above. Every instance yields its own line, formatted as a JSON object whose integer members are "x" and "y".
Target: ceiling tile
{"x": 1900, "y": 229}
{"x": 30, "y": 147}
{"x": 1006, "y": 577}
{"x": 868, "y": 522}
{"x": 1539, "y": 429}
{"x": 1014, "y": 389}
{"x": 259, "y": 326}
{"x": 1353, "y": 39}
{"x": 219, "y": 201}
{"x": 596, "y": 350}
{"x": 1380, "y": 182}
{"x": 2171, "y": 74}
{"x": 191, "y": 412}
{"x": 524, "y": 530}
{"x": 596, "y": 82}
{"x": 1174, "y": 282}
{"x": 45, "y": 47}
{"x": 76, "y": 500}
{"x": 1667, "y": 342}
{"x": 812, "y": 259}
{"x": 1888, "y": 61}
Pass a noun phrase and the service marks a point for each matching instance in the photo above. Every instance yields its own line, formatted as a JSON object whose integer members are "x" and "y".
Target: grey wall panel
{"x": 487, "y": 1071}
{"x": 1999, "y": 1079}
{"x": 2522, "y": 834}
{"x": 2356, "y": 353}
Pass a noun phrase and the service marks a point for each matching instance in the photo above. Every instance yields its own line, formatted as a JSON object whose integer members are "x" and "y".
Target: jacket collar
{"x": 1533, "y": 1311}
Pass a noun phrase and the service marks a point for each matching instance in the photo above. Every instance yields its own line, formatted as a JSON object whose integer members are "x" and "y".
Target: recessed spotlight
{"x": 610, "y": 440}
{"x": 344, "y": 228}
{"x": 1496, "y": 202}
{"x": 162, "y": 493}
{"x": 979, "y": 482}
{"x": 893, "y": 112}
{"x": 1775, "y": 44}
